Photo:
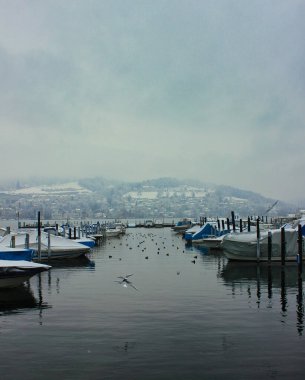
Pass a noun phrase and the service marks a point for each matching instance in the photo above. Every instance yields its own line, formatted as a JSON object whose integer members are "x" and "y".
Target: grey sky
{"x": 135, "y": 89}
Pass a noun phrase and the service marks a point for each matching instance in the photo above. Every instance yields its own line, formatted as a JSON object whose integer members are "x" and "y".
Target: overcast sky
{"x": 140, "y": 89}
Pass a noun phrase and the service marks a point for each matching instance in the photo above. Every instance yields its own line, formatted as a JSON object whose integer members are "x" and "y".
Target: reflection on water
{"x": 205, "y": 320}
{"x": 273, "y": 278}
{"x": 79, "y": 262}
{"x": 19, "y": 299}
{"x": 198, "y": 248}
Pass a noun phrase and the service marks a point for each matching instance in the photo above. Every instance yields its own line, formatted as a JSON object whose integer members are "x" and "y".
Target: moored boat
{"x": 212, "y": 242}
{"x": 208, "y": 235}
{"x": 51, "y": 247}
{"x": 9, "y": 253}
{"x": 14, "y": 273}
{"x": 112, "y": 231}
{"x": 246, "y": 246}
{"x": 182, "y": 225}
{"x": 88, "y": 242}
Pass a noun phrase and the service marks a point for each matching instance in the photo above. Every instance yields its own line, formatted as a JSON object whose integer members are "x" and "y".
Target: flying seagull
{"x": 125, "y": 282}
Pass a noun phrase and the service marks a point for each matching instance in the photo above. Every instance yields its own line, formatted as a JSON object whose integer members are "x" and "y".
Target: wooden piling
{"x": 300, "y": 250}
{"x": 240, "y": 225}
{"x": 283, "y": 246}
{"x": 39, "y": 236}
{"x": 269, "y": 246}
{"x": 233, "y": 220}
{"x": 49, "y": 244}
{"x": 27, "y": 241}
{"x": 13, "y": 241}
{"x": 249, "y": 224}
{"x": 228, "y": 224}
{"x": 258, "y": 249}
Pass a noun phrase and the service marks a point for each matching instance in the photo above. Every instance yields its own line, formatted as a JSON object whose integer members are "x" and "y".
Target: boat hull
{"x": 56, "y": 248}
{"x": 245, "y": 246}
{"x": 212, "y": 243}
{"x": 15, "y": 273}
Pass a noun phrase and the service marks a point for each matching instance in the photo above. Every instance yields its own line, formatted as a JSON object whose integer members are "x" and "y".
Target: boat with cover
{"x": 246, "y": 246}
{"x": 208, "y": 235}
{"x": 14, "y": 273}
{"x": 8, "y": 253}
{"x": 182, "y": 225}
{"x": 212, "y": 242}
{"x": 56, "y": 248}
{"x": 191, "y": 231}
{"x": 113, "y": 231}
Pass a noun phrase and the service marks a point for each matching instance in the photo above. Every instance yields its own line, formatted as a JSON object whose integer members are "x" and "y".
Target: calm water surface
{"x": 188, "y": 314}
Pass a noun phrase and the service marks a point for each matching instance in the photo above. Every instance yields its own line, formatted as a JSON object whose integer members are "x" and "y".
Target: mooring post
{"x": 39, "y": 236}
{"x": 228, "y": 224}
{"x": 49, "y": 244}
{"x": 283, "y": 246}
{"x": 218, "y": 224}
{"x": 258, "y": 248}
{"x": 27, "y": 241}
{"x": 74, "y": 232}
{"x": 300, "y": 249}
{"x": 70, "y": 233}
{"x": 233, "y": 220}
{"x": 249, "y": 223}
{"x": 222, "y": 224}
{"x": 269, "y": 246}
{"x": 13, "y": 241}
{"x": 240, "y": 225}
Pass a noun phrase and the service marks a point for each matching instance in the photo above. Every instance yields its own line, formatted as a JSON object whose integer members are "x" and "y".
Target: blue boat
{"x": 208, "y": 230}
{"x": 14, "y": 273}
{"x": 7, "y": 253}
{"x": 182, "y": 225}
{"x": 88, "y": 242}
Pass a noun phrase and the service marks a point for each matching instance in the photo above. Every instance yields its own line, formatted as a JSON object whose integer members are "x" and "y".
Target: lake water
{"x": 188, "y": 314}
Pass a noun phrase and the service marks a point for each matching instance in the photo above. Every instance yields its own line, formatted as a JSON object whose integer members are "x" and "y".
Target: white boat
{"x": 8, "y": 253}
{"x": 88, "y": 241}
{"x": 121, "y": 226}
{"x": 14, "y": 273}
{"x": 113, "y": 232}
{"x": 208, "y": 235}
{"x": 56, "y": 248}
{"x": 246, "y": 247}
{"x": 193, "y": 230}
{"x": 182, "y": 225}
{"x": 148, "y": 223}
{"x": 212, "y": 242}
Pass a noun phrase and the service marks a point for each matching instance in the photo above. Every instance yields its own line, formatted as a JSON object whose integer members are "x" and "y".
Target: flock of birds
{"x": 144, "y": 243}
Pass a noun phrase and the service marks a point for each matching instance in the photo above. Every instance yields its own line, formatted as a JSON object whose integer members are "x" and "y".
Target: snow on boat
{"x": 14, "y": 273}
{"x": 246, "y": 246}
{"x": 56, "y": 248}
